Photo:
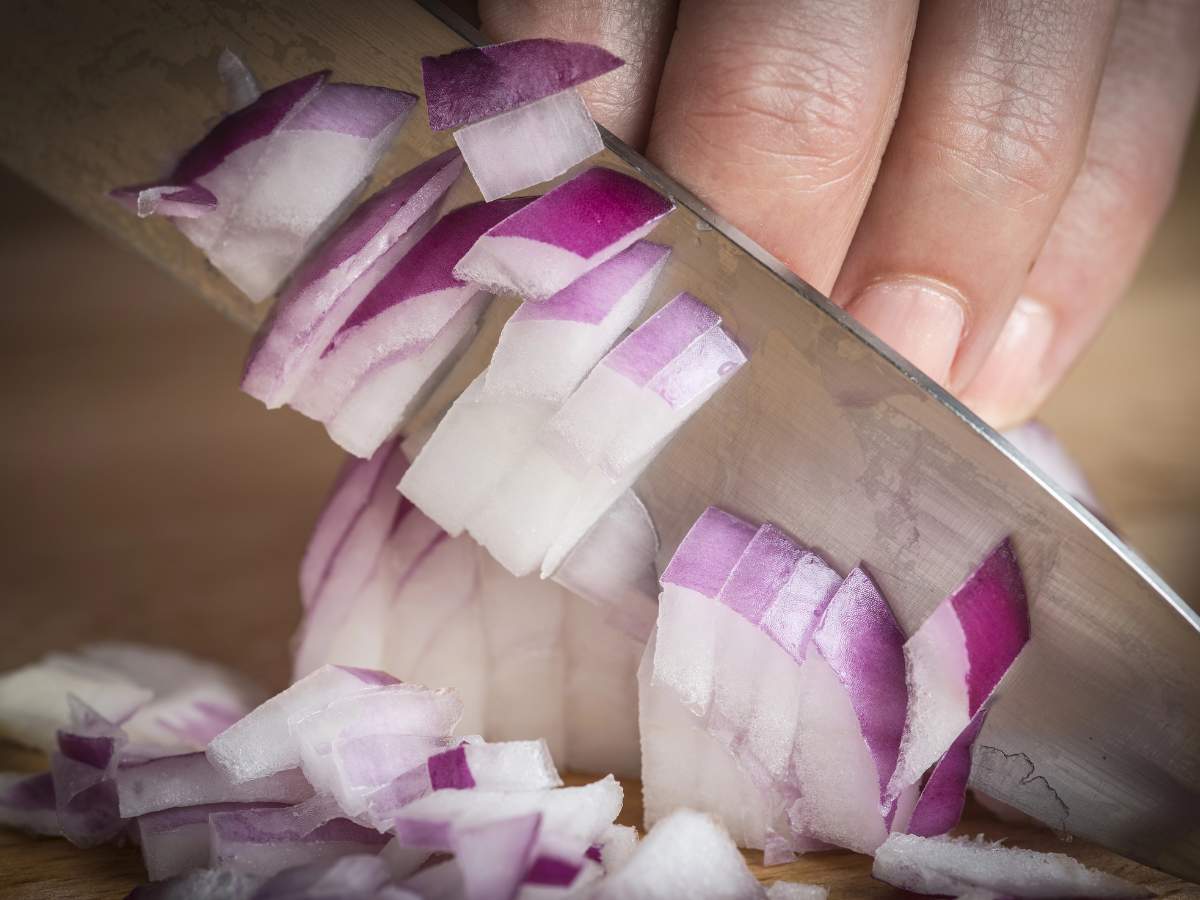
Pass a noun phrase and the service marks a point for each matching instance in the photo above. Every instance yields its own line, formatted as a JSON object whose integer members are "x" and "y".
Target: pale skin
{"x": 974, "y": 180}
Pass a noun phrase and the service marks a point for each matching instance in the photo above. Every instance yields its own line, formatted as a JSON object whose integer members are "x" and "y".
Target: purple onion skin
{"x": 940, "y": 805}
{"x": 661, "y": 338}
{"x": 709, "y": 552}
{"x": 592, "y": 211}
{"x": 429, "y": 265}
{"x": 477, "y": 83}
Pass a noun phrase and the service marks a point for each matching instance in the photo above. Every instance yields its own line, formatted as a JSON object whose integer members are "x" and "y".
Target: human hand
{"x": 1031, "y": 148}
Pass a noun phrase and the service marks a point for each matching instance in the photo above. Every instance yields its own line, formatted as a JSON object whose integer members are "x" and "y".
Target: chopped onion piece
{"x": 494, "y": 856}
{"x": 956, "y": 658}
{"x": 617, "y": 846}
{"x": 202, "y": 884}
{"x": 612, "y": 566}
{"x": 188, "y": 201}
{"x": 861, "y": 641}
{"x": 267, "y": 841}
{"x": 790, "y": 890}
{"x": 530, "y": 144}
{"x": 33, "y": 698}
{"x": 961, "y": 865}
{"x": 476, "y": 83}
{"x": 537, "y": 251}
{"x": 27, "y": 803}
{"x": 260, "y": 743}
{"x": 940, "y": 804}
{"x": 354, "y": 877}
{"x": 546, "y": 349}
{"x": 340, "y": 274}
{"x": 175, "y": 841}
{"x": 583, "y": 812}
{"x": 191, "y": 780}
{"x": 396, "y": 338}
{"x": 403, "y": 861}
{"x": 240, "y": 83}
{"x": 258, "y": 164}
{"x": 82, "y": 769}
{"x": 684, "y": 855}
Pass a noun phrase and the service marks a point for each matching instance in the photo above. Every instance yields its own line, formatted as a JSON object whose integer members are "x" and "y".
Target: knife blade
{"x": 825, "y": 432}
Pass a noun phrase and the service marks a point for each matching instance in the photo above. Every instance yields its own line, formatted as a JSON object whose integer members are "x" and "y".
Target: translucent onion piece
{"x": 191, "y": 780}
{"x": 258, "y": 164}
{"x": 494, "y": 856}
{"x": 347, "y": 266}
{"x": 33, "y": 698}
{"x": 82, "y": 770}
{"x": 613, "y": 567}
{"x": 402, "y": 861}
{"x": 175, "y": 841}
{"x": 684, "y": 855}
{"x": 862, "y": 642}
{"x": 240, "y": 83}
{"x": 583, "y": 813}
{"x": 265, "y": 842}
{"x": 202, "y": 884}
{"x": 355, "y": 877}
{"x": 790, "y": 890}
{"x": 617, "y": 846}
{"x": 952, "y": 866}
{"x": 956, "y": 658}
{"x": 27, "y": 803}
{"x": 189, "y": 201}
{"x": 539, "y": 250}
{"x": 530, "y": 144}
{"x": 479, "y": 82}
{"x": 942, "y": 797}
{"x": 260, "y": 744}
{"x": 546, "y": 349}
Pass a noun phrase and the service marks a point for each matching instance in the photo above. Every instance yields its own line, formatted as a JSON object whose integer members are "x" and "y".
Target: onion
{"x": 27, "y": 803}
{"x": 191, "y": 780}
{"x": 175, "y": 841}
{"x": 961, "y": 865}
{"x": 525, "y": 122}
{"x": 203, "y": 884}
{"x": 493, "y": 857}
{"x": 539, "y": 250}
{"x": 354, "y": 877}
{"x": 340, "y": 274}
{"x": 1041, "y": 447}
{"x": 544, "y": 351}
{"x": 240, "y": 84}
{"x": 401, "y": 333}
{"x": 604, "y": 436}
{"x": 82, "y": 772}
{"x": 259, "y": 744}
{"x": 267, "y": 841}
{"x": 956, "y": 658}
{"x": 245, "y": 194}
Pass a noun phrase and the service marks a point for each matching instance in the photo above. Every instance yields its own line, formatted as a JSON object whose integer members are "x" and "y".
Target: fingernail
{"x": 1008, "y": 388}
{"x": 921, "y": 320}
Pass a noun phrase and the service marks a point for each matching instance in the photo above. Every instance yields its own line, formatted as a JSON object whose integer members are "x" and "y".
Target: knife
{"x": 826, "y": 432}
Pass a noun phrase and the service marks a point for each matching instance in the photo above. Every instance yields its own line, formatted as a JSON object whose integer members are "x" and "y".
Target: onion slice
{"x": 191, "y": 780}
{"x": 175, "y": 841}
{"x": 27, "y": 803}
{"x": 267, "y": 841}
{"x": 539, "y": 250}
{"x": 340, "y": 274}
{"x": 82, "y": 770}
{"x": 952, "y": 866}
{"x": 243, "y": 194}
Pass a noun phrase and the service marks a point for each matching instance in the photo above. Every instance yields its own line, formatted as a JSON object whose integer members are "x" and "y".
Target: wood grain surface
{"x": 148, "y": 499}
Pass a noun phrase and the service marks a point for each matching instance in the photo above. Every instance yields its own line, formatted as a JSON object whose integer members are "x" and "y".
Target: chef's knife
{"x": 826, "y": 432}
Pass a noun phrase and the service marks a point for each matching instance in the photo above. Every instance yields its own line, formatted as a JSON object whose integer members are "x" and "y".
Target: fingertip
{"x": 1012, "y": 382}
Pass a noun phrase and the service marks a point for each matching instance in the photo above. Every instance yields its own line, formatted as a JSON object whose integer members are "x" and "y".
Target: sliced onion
{"x": 956, "y": 658}
{"x": 258, "y": 164}
{"x": 583, "y": 813}
{"x": 940, "y": 804}
{"x": 494, "y": 856}
{"x": 399, "y": 334}
{"x": 260, "y": 744}
{"x": 340, "y": 274}
{"x": 82, "y": 771}
{"x": 191, "y": 780}
{"x": 791, "y": 890}
{"x": 530, "y": 144}
{"x": 684, "y": 855}
{"x": 267, "y": 841}
{"x": 402, "y": 861}
{"x": 616, "y": 847}
{"x": 478, "y": 82}
{"x": 240, "y": 83}
{"x": 539, "y": 250}
{"x": 175, "y": 841}
{"x": 961, "y": 865}
{"x": 27, "y": 803}
{"x": 202, "y": 884}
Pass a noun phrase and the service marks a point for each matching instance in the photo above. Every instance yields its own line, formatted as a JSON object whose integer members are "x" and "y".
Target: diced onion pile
{"x": 503, "y": 559}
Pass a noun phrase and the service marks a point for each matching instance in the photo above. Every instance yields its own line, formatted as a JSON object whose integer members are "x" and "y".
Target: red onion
{"x": 245, "y": 194}
{"x": 582, "y": 223}
{"x": 953, "y": 866}
{"x": 525, "y": 122}
{"x": 27, "y": 803}
{"x": 175, "y": 841}
{"x": 267, "y": 841}
{"x": 340, "y": 274}
{"x": 191, "y": 780}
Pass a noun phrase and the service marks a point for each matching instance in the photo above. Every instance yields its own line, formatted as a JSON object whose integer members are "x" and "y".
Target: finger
{"x": 1134, "y": 151}
{"x": 991, "y": 132}
{"x": 776, "y": 112}
{"x": 638, "y": 31}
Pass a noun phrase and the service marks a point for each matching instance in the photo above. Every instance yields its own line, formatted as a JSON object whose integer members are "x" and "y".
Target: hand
{"x": 1031, "y": 148}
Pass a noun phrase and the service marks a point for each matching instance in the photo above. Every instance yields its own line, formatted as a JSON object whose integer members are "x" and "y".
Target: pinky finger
{"x": 1139, "y": 130}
